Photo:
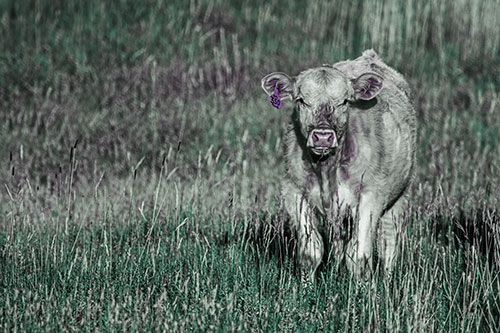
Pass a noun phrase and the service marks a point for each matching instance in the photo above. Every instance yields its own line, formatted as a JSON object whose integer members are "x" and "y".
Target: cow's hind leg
{"x": 390, "y": 230}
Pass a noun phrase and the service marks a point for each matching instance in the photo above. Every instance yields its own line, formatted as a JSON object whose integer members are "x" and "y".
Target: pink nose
{"x": 324, "y": 138}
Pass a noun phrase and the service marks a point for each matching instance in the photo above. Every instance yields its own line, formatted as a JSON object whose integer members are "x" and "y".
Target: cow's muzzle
{"x": 321, "y": 140}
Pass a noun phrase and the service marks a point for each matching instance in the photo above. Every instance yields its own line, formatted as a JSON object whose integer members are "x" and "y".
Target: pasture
{"x": 140, "y": 166}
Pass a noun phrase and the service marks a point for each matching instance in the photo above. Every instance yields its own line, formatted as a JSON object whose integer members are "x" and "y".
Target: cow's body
{"x": 368, "y": 168}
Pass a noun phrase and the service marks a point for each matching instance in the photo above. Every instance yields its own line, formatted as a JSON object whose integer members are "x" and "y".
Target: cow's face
{"x": 322, "y": 96}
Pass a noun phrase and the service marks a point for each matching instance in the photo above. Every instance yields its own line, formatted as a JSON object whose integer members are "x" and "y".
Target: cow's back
{"x": 369, "y": 61}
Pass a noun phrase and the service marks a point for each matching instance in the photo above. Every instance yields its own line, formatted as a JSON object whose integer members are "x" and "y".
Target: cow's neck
{"x": 325, "y": 170}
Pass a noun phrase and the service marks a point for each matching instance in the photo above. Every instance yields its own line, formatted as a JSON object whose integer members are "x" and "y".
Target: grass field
{"x": 141, "y": 166}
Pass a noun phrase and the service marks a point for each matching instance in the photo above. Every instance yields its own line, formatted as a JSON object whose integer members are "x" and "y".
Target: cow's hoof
{"x": 350, "y": 255}
{"x": 360, "y": 266}
{"x": 307, "y": 277}
{"x": 363, "y": 267}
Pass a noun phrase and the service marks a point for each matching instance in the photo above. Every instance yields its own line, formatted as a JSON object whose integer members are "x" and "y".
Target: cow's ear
{"x": 367, "y": 86}
{"x": 282, "y": 82}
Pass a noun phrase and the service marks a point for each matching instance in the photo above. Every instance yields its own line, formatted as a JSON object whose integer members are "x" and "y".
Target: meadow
{"x": 140, "y": 166}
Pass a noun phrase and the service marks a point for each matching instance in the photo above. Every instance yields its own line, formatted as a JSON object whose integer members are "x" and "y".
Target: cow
{"x": 350, "y": 151}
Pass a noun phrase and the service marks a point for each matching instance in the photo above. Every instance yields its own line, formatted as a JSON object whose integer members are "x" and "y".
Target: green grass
{"x": 141, "y": 166}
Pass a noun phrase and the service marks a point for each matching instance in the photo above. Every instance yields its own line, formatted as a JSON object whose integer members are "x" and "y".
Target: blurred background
{"x": 133, "y": 127}
{"x": 177, "y": 83}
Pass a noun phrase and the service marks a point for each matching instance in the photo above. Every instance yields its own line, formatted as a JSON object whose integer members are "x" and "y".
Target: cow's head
{"x": 322, "y": 98}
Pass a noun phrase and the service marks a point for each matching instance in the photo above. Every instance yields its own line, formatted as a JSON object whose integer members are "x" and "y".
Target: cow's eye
{"x": 343, "y": 103}
{"x": 300, "y": 101}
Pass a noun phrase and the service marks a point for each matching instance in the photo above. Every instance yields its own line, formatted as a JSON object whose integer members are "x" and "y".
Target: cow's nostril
{"x": 322, "y": 138}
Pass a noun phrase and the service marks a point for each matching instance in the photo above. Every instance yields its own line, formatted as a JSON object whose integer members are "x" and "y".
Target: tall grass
{"x": 141, "y": 166}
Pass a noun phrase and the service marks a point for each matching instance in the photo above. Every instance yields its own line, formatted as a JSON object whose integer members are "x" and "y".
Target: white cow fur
{"x": 370, "y": 170}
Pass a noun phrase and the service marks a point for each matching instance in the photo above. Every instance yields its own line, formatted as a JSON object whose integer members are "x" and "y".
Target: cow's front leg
{"x": 359, "y": 256}
{"x": 309, "y": 239}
